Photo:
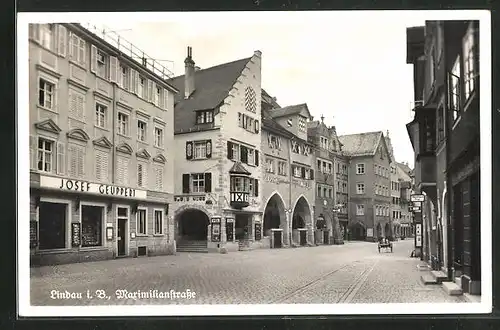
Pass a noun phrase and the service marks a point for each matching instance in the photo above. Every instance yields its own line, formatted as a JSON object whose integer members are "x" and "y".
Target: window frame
{"x": 455, "y": 90}
{"x": 358, "y": 190}
{"x": 98, "y": 115}
{"x": 126, "y": 122}
{"x": 360, "y": 166}
{"x": 469, "y": 63}
{"x": 203, "y": 147}
{"x": 360, "y": 209}
{"x": 199, "y": 178}
{"x": 53, "y": 154}
{"x": 139, "y": 130}
{"x": 102, "y": 67}
{"x": 53, "y": 94}
{"x": 162, "y": 212}
{"x": 159, "y": 139}
{"x": 137, "y": 221}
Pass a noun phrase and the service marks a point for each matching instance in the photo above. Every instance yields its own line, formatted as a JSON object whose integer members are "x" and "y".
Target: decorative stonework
{"x": 160, "y": 159}
{"x": 103, "y": 142}
{"x": 48, "y": 125}
{"x": 78, "y": 134}
{"x": 143, "y": 153}
{"x": 124, "y": 148}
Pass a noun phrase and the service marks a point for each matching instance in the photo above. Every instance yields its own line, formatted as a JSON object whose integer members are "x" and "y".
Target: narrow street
{"x": 350, "y": 273}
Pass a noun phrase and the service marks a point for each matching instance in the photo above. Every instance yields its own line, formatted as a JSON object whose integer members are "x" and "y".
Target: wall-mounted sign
{"x": 369, "y": 232}
{"x": 416, "y": 209}
{"x": 215, "y": 225}
{"x": 33, "y": 234}
{"x": 75, "y": 234}
{"x": 418, "y": 242}
{"x": 418, "y": 229}
{"x": 274, "y": 179}
{"x": 229, "y": 231}
{"x": 109, "y": 233}
{"x": 301, "y": 183}
{"x": 258, "y": 231}
{"x": 417, "y": 198}
{"x": 132, "y": 235}
{"x": 86, "y": 187}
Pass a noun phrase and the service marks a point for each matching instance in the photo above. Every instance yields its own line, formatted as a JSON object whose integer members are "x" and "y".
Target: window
{"x": 360, "y": 168}
{"x": 102, "y": 64}
{"x": 101, "y": 166}
{"x": 46, "y": 91}
{"x": 239, "y": 184}
{"x": 92, "y": 223}
{"x": 158, "y": 137}
{"x": 124, "y": 79}
{"x": 250, "y": 156}
{"x": 142, "y": 175}
{"x": 141, "y": 131}
{"x": 330, "y": 170}
{"x": 470, "y": 71}
{"x": 47, "y": 35}
{"x": 250, "y": 99}
{"x": 274, "y": 142}
{"x": 200, "y": 150}
{"x": 360, "y": 209}
{"x": 455, "y": 89}
{"x": 319, "y": 165}
{"x": 198, "y": 181}
{"x": 141, "y": 221}
{"x": 360, "y": 188}
{"x": 302, "y": 125}
{"x": 157, "y": 96}
{"x": 269, "y": 165}
{"x": 142, "y": 87}
{"x": 122, "y": 170}
{"x": 100, "y": 115}
{"x": 77, "y": 49}
{"x": 45, "y": 155}
{"x": 297, "y": 171}
{"x": 324, "y": 142}
{"x": 76, "y": 159}
{"x": 123, "y": 124}
{"x": 204, "y": 117}
{"x": 52, "y": 225}
{"x": 235, "y": 151}
{"x": 159, "y": 178}
{"x": 158, "y": 222}
{"x": 282, "y": 168}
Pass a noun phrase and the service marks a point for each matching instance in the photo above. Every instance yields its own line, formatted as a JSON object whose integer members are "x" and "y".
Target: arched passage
{"x": 387, "y": 230}
{"x": 379, "y": 231}
{"x": 301, "y": 217}
{"x": 274, "y": 214}
{"x": 192, "y": 225}
{"x": 357, "y": 232}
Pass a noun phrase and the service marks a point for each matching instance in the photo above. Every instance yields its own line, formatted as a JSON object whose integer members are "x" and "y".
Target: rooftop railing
{"x": 129, "y": 49}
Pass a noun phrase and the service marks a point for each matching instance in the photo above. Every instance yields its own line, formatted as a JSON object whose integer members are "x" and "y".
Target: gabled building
{"x": 101, "y": 147}
{"x": 369, "y": 185}
{"x": 445, "y": 138}
{"x": 403, "y": 175}
{"x": 331, "y": 183}
{"x": 217, "y": 164}
{"x": 288, "y": 175}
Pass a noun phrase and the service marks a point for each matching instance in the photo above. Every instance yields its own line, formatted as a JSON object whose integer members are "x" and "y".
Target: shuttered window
{"x": 159, "y": 178}
{"x": 76, "y": 161}
{"x": 61, "y": 40}
{"x": 165, "y": 99}
{"x": 76, "y": 105}
{"x": 122, "y": 170}
{"x": 142, "y": 174}
{"x": 101, "y": 166}
{"x": 77, "y": 48}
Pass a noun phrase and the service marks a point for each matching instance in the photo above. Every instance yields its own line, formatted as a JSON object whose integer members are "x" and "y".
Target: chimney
{"x": 197, "y": 68}
{"x": 189, "y": 74}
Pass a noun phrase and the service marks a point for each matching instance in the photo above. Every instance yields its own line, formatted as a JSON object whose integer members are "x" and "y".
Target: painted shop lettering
{"x": 103, "y": 189}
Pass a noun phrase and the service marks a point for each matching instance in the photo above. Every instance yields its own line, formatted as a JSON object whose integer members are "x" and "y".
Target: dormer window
{"x": 323, "y": 142}
{"x": 204, "y": 117}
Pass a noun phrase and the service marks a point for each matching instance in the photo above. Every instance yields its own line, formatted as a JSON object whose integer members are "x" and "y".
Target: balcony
{"x": 239, "y": 199}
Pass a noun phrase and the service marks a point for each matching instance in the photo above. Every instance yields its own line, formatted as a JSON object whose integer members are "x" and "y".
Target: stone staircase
{"x": 435, "y": 277}
{"x": 192, "y": 246}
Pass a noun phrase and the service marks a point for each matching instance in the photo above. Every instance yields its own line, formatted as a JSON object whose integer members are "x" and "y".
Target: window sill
{"x": 123, "y": 135}
{"x": 47, "y": 109}
{"x": 141, "y": 235}
{"x": 101, "y": 128}
{"x": 93, "y": 248}
{"x": 143, "y": 142}
{"x": 158, "y": 235}
{"x": 198, "y": 159}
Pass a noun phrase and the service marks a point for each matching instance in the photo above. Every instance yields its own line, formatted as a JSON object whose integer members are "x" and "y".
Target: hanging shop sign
{"x": 215, "y": 233}
{"x": 258, "y": 231}
{"x": 75, "y": 234}
{"x": 33, "y": 234}
{"x": 86, "y": 187}
{"x": 229, "y": 230}
{"x": 417, "y": 198}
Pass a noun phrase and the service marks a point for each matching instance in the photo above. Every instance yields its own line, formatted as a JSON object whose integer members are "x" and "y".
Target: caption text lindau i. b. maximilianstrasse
{"x": 123, "y": 294}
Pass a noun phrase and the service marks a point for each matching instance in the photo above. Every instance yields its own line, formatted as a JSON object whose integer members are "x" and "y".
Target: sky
{"x": 348, "y": 66}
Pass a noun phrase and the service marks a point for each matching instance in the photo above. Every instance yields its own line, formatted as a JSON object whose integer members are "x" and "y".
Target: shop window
{"x": 92, "y": 223}
{"x": 158, "y": 222}
{"x": 52, "y": 225}
{"x": 141, "y": 221}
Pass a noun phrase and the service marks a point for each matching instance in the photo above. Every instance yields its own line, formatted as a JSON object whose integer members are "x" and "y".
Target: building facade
{"x": 101, "y": 175}
{"x": 445, "y": 137}
{"x": 369, "y": 186}
{"x": 405, "y": 188}
{"x": 329, "y": 180}
{"x": 217, "y": 168}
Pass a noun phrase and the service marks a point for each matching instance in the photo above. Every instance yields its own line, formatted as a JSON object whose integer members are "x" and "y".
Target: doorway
{"x": 122, "y": 233}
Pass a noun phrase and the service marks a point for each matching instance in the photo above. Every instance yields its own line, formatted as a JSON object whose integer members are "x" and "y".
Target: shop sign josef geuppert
{"x": 86, "y": 187}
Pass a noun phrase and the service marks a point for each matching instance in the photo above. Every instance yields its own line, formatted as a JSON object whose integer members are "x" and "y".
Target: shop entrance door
{"x": 326, "y": 236}
{"x": 121, "y": 237}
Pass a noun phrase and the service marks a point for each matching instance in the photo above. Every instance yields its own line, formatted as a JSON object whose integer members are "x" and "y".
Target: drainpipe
{"x": 290, "y": 226}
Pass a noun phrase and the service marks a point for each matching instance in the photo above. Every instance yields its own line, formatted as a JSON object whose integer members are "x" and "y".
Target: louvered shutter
{"x": 81, "y": 162}
{"x": 82, "y": 51}
{"x": 81, "y": 106}
{"x": 208, "y": 145}
{"x": 256, "y": 157}
{"x": 72, "y": 104}
{"x": 145, "y": 170}
{"x": 208, "y": 182}
{"x": 159, "y": 178}
{"x": 35, "y": 32}
{"x": 72, "y": 161}
{"x": 244, "y": 154}
{"x": 93, "y": 58}
{"x": 98, "y": 165}
{"x": 185, "y": 183}
{"x": 151, "y": 90}
{"x": 312, "y": 174}
{"x": 229, "y": 150}
{"x": 140, "y": 181}
{"x": 165, "y": 99}
{"x": 189, "y": 149}
{"x": 60, "y": 158}
{"x": 113, "y": 69}
{"x": 136, "y": 83}
{"x": 125, "y": 171}
{"x": 257, "y": 126}
{"x": 62, "y": 40}
{"x": 119, "y": 170}
{"x": 256, "y": 187}
{"x": 105, "y": 166}
{"x": 70, "y": 51}
{"x": 33, "y": 151}
{"x": 303, "y": 170}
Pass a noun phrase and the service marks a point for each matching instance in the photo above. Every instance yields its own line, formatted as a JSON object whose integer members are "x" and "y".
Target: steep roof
{"x": 212, "y": 86}
{"x": 290, "y": 110}
{"x": 363, "y": 144}
{"x": 404, "y": 167}
{"x": 270, "y": 124}
{"x": 269, "y": 99}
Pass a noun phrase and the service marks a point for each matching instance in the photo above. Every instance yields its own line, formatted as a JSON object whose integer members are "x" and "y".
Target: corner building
{"x": 217, "y": 201}
{"x": 101, "y": 146}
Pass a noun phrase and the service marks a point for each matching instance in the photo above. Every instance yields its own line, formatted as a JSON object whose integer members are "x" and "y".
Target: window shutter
{"x": 165, "y": 99}
{"x": 81, "y": 106}
{"x": 159, "y": 178}
{"x": 60, "y": 158}
{"x": 136, "y": 83}
{"x": 229, "y": 150}
{"x": 98, "y": 165}
{"x": 125, "y": 171}
{"x": 35, "y": 32}
{"x": 145, "y": 171}
{"x": 208, "y": 182}
{"x": 140, "y": 182}
{"x": 33, "y": 150}
{"x": 189, "y": 149}
{"x": 185, "y": 183}
{"x": 93, "y": 58}
{"x": 150, "y": 90}
{"x": 62, "y": 39}
{"x": 209, "y": 148}
{"x": 257, "y": 126}
{"x": 303, "y": 172}
{"x": 256, "y": 157}
{"x": 312, "y": 174}
{"x": 244, "y": 154}
{"x": 292, "y": 170}
{"x": 81, "y": 162}
{"x": 70, "y": 46}
{"x": 256, "y": 187}
{"x": 72, "y": 161}
{"x": 113, "y": 69}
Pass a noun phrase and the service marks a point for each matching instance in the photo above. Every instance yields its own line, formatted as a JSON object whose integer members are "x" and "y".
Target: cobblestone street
{"x": 350, "y": 273}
